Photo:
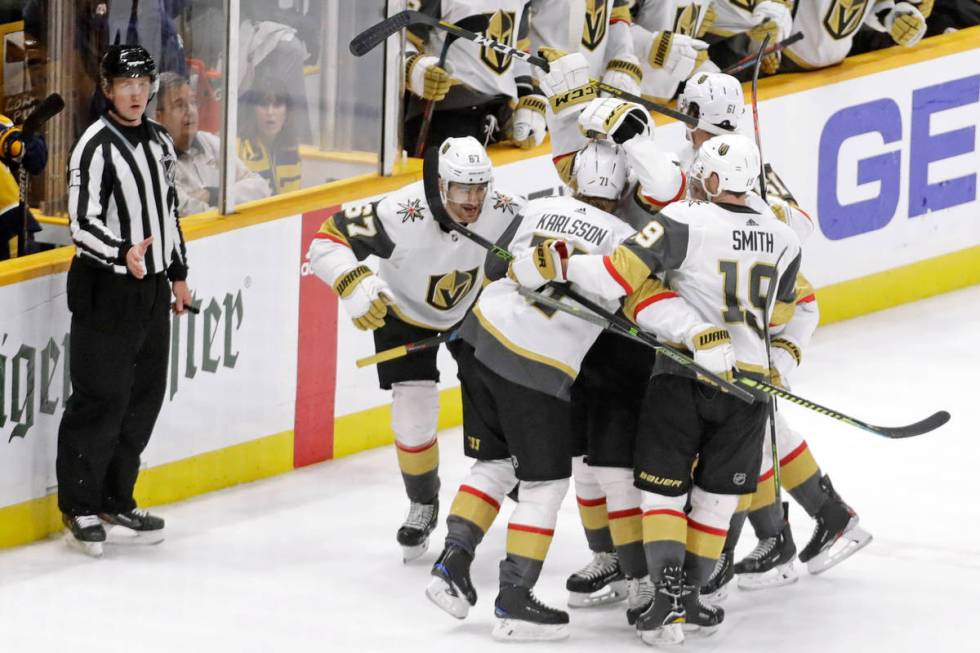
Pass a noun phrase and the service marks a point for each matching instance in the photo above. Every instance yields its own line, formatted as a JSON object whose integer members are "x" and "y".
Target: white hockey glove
{"x": 529, "y": 125}
{"x": 615, "y": 119}
{"x": 771, "y": 17}
{"x": 425, "y": 78}
{"x": 567, "y": 85}
{"x": 712, "y": 347}
{"x": 785, "y": 359}
{"x": 537, "y": 266}
{"x": 905, "y": 23}
{"x": 678, "y": 55}
{"x": 624, "y": 73}
{"x": 366, "y": 297}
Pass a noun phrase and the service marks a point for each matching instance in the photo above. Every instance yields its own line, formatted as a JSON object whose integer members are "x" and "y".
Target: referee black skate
{"x": 129, "y": 257}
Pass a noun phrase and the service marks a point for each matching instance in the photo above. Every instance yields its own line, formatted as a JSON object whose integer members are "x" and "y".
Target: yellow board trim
{"x": 35, "y": 519}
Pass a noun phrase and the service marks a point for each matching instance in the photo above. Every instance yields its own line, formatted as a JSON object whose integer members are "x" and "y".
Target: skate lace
{"x": 763, "y": 548}
{"x": 602, "y": 563}
{"x": 419, "y": 515}
{"x": 644, "y": 591}
{"x": 87, "y": 521}
{"x": 719, "y": 565}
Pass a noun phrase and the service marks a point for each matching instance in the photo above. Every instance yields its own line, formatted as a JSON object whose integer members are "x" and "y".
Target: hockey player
{"x": 517, "y": 366}
{"x": 829, "y": 28}
{"x": 756, "y": 19}
{"x": 600, "y": 33}
{"x": 427, "y": 279}
{"x": 479, "y": 88}
{"x": 697, "y": 274}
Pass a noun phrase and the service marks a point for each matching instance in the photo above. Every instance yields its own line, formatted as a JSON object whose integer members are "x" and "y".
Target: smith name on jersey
{"x": 535, "y": 346}
{"x": 434, "y": 274}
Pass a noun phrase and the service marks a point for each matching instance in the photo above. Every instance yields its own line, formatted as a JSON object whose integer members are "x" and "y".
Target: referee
{"x": 129, "y": 256}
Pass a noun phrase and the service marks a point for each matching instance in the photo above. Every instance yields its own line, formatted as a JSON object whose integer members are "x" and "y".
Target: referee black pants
{"x": 120, "y": 335}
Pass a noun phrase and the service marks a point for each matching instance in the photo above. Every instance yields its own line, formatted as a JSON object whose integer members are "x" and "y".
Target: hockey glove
{"x": 539, "y": 265}
{"x": 905, "y": 23}
{"x": 12, "y": 144}
{"x": 365, "y": 296}
{"x": 678, "y": 55}
{"x": 615, "y": 119}
{"x": 425, "y": 78}
{"x": 785, "y": 358}
{"x": 771, "y": 17}
{"x": 567, "y": 85}
{"x": 712, "y": 347}
{"x": 624, "y": 73}
{"x": 529, "y": 125}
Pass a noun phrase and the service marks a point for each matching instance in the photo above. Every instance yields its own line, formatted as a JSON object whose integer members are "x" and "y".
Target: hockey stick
{"x": 45, "y": 110}
{"x": 407, "y": 348}
{"x": 749, "y": 59}
{"x": 430, "y": 176}
{"x": 374, "y": 35}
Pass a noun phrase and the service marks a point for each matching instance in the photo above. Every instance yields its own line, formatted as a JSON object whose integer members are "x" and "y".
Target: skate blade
{"x": 614, "y": 592}
{"x": 716, "y": 597}
{"x": 778, "y": 576}
{"x": 696, "y": 631}
{"x": 91, "y": 549}
{"x": 517, "y": 630}
{"x": 117, "y": 535}
{"x": 410, "y": 553}
{"x": 850, "y": 542}
{"x": 669, "y": 635}
{"x": 443, "y": 595}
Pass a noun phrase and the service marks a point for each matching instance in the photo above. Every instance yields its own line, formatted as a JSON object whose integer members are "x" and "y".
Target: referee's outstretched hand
{"x": 134, "y": 258}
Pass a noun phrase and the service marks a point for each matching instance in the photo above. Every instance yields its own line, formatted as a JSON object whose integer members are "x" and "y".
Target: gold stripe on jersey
{"x": 593, "y": 513}
{"x": 651, "y": 291}
{"x": 520, "y": 351}
{"x": 627, "y": 268}
{"x": 621, "y": 14}
{"x": 626, "y": 526}
{"x": 661, "y": 525}
{"x": 803, "y": 287}
{"x": 528, "y": 541}
{"x": 416, "y": 461}
{"x": 330, "y": 231}
{"x": 789, "y": 346}
{"x": 595, "y": 24}
{"x": 782, "y": 313}
{"x": 401, "y": 315}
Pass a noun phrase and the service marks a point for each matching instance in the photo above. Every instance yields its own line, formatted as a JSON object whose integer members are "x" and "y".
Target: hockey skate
{"x": 521, "y": 617}
{"x": 715, "y": 589}
{"x": 85, "y": 533}
{"x": 597, "y": 583}
{"x": 414, "y": 533}
{"x": 770, "y": 564}
{"x": 133, "y": 527}
{"x": 837, "y": 535}
{"x": 641, "y": 591}
{"x": 662, "y": 623}
{"x": 701, "y": 619}
{"x": 451, "y": 588}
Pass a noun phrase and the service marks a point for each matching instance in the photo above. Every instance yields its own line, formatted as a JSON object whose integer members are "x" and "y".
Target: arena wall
{"x": 882, "y": 151}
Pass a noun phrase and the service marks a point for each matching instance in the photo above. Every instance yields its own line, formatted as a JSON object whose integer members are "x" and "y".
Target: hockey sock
{"x": 737, "y": 521}
{"x": 765, "y": 513}
{"x": 420, "y": 470}
{"x": 414, "y": 419}
{"x": 664, "y": 532}
{"x": 591, "y": 507}
{"x": 801, "y": 478}
{"x": 625, "y": 518}
{"x": 529, "y": 533}
{"x": 707, "y": 529}
{"x": 477, "y": 502}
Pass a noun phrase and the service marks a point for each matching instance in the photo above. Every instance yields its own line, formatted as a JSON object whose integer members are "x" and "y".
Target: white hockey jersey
{"x": 599, "y": 29}
{"x": 697, "y": 264}
{"x": 535, "y": 346}
{"x": 829, "y": 28}
{"x": 434, "y": 274}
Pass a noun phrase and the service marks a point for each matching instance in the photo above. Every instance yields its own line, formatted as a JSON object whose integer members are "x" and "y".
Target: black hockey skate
{"x": 414, "y": 532}
{"x": 699, "y": 617}
{"x": 85, "y": 533}
{"x": 715, "y": 589}
{"x": 837, "y": 535}
{"x": 133, "y": 527}
{"x": 641, "y": 592}
{"x": 771, "y": 562}
{"x": 662, "y": 623}
{"x": 451, "y": 588}
{"x": 597, "y": 583}
{"x": 521, "y": 617}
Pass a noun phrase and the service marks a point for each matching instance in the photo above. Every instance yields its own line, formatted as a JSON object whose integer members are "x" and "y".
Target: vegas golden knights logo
{"x": 747, "y": 5}
{"x": 844, "y": 17}
{"x": 723, "y": 149}
{"x": 500, "y": 28}
{"x": 687, "y": 19}
{"x": 596, "y": 22}
{"x": 447, "y": 290}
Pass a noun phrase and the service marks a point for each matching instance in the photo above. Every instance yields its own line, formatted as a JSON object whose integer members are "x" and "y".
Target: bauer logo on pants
{"x": 447, "y": 290}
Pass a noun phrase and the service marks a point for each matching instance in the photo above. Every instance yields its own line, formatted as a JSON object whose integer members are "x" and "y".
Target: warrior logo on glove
{"x": 844, "y": 17}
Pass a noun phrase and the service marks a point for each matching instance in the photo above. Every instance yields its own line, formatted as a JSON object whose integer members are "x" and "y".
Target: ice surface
{"x": 308, "y": 561}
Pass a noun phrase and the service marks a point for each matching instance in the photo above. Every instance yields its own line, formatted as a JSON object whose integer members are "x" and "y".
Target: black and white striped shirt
{"x": 121, "y": 191}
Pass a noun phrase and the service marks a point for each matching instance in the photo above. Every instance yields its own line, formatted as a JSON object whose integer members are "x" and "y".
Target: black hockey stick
{"x": 430, "y": 180}
{"x": 45, "y": 110}
{"x": 408, "y": 348}
{"x": 749, "y": 59}
{"x": 374, "y": 35}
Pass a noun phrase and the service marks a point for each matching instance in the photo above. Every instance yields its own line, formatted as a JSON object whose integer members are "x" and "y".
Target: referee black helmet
{"x": 128, "y": 61}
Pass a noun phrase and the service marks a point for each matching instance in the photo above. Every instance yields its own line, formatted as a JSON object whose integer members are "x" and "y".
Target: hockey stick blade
{"x": 373, "y": 36}
{"x": 45, "y": 110}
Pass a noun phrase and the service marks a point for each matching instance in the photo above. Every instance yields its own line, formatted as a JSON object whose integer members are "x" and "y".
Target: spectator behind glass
{"x": 198, "y": 153}
{"x": 268, "y": 143}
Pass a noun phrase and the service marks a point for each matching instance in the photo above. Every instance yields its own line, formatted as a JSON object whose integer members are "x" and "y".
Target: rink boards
{"x": 883, "y": 153}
